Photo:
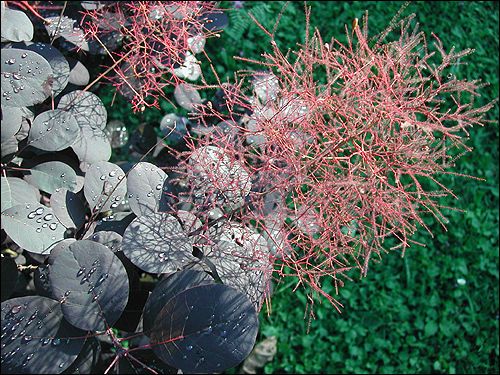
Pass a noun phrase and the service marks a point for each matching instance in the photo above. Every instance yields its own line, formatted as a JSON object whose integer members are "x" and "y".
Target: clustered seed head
{"x": 156, "y": 41}
{"x": 343, "y": 145}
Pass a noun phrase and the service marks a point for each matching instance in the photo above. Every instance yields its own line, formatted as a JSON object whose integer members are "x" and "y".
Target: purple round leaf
{"x": 17, "y": 191}
{"x": 78, "y": 74}
{"x": 68, "y": 208}
{"x": 91, "y": 285}
{"x": 156, "y": 243}
{"x": 26, "y": 78}
{"x": 87, "y": 108}
{"x": 145, "y": 188}
{"x": 204, "y": 329}
{"x": 167, "y": 289}
{"x": 187, "y": 96}
{"x": 53, "y": 130}
{"x": 33, "y": 227}
{"x": 16, "y": 26}
{"x": 52, "y": 175}
{"x": 105, "y": 186}
{"x": 37, "y": 339}
{"x": 58, "y": 63}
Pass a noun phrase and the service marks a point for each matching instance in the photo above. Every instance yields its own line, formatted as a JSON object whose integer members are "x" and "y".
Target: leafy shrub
{"x": 306, "y": 170}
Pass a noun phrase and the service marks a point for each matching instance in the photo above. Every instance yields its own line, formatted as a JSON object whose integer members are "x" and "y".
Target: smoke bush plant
{"x": 343, "y": 144}
{"x": 307, "y": 172}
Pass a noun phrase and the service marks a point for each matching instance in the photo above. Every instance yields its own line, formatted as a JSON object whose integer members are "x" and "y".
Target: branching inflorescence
{"x": 343, "y": 145}
{"x": 157, "y": 42}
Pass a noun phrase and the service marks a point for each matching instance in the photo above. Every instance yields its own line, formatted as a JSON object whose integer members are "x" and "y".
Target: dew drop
{"x": 61, "y": 365}
{"x": 39, "y": 220}
{"x": 38, "y": 230}
{"x": 53, "y": 226}
{"x": 24, "y": 55}
{"x": 80, "y": 271}
{"x": 16, "y": 309}
{"x": 102, "y": 278}
{"x": 189, "y": 347}
{"x": 44, "y": 341}
{"x": 62, "y": 174}
{"x": 48, "y": 217}
{"x": 27, "y": 338}
{"x": 31, "y": 215}
{"x": 68, "y": 292}
{"x": 102, "y": 178}
{"x": 39, "y": 211}
{"x": 112, "y": 173}
{"x": 158, "y": 187}
{"x": 56, "y": 342}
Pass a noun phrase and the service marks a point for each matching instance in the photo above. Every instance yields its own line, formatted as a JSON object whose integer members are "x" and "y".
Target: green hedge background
{"x": 411, "y": 314}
